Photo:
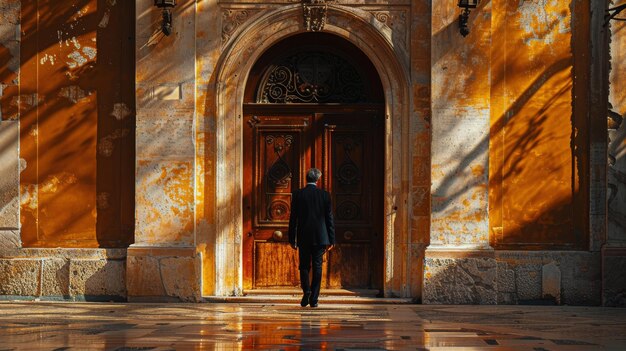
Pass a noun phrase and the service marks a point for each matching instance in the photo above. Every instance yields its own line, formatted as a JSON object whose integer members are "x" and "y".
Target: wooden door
{"x": 352, "y": 166}
{"x": 278, "y": 149}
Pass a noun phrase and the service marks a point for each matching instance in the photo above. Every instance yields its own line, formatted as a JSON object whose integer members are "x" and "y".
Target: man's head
{"x": 312, "y": 175}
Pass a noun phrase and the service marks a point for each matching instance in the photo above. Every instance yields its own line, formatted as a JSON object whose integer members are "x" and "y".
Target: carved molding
{"x": 252, "y": 122}
{"x": 232, "y": 19}
{"x": 348, "y": 173}
{"x": 348, "y": 210}
{"x": 397, "y": 22}
{"x": 315, "y": 12}
{"x": 278, "y": 210}
{"x": 279, "y": 174}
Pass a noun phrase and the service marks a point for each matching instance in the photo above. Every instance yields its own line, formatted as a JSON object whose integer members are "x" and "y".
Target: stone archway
{"x": 374, "y": 39}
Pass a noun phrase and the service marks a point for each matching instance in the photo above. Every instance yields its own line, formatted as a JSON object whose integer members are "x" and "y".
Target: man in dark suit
{"x": 312, "y": 232}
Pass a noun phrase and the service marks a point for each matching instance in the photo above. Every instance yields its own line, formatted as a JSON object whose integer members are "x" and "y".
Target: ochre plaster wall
{"x": 535, "y": 130}
{"x": 75, "y": 105}
{"x": 460, "y": 133}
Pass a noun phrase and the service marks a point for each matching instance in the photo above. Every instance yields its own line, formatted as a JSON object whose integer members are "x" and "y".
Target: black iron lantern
{"x": 466, "y": 5}
{"x": 166, "y": 22}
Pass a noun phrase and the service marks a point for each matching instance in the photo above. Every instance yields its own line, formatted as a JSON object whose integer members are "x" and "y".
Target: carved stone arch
{"x": 242, "y": 51}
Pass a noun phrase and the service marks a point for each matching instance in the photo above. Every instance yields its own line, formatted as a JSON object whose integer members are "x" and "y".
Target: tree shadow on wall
{"x": 77, "y": 123}
{"x": 535, "y": 155}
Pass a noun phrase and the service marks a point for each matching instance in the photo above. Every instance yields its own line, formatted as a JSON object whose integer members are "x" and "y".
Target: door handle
{"x": 277, "y": 235}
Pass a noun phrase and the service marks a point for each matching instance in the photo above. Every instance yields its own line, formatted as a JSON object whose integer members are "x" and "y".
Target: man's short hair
{"x": 312, "y": 175}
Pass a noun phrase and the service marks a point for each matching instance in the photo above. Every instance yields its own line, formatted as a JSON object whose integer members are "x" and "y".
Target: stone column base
{"x": 162, "y": 274}
{"x": 614, "y": 276}
{"x": 459, "y": 277}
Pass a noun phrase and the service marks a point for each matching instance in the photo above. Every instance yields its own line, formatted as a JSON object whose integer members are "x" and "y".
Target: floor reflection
{"x": 127, "y": 327}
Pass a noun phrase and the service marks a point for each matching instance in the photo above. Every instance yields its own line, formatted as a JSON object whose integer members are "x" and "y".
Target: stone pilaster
{"x": 614, "y": 252}
{"x": 163, "y": 263}
{"x": 420, "y": 117}
{"x": 459, "y": 265}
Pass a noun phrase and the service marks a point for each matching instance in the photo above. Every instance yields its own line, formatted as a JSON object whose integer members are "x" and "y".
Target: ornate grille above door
{"x": 312, "y": 77}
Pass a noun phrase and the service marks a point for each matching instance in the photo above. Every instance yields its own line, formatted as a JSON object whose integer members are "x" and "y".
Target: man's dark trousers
{"x": 311, "y": 254}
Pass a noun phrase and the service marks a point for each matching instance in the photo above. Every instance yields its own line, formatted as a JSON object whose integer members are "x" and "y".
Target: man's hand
{"x": 293, "y": 246}
{"x": 329, "y": 247}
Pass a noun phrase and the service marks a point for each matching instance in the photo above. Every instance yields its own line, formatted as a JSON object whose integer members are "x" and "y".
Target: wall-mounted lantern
{"x": 612, "y": 12}
{"x": 166, "y": 22}
{"x": 466, "y": 5}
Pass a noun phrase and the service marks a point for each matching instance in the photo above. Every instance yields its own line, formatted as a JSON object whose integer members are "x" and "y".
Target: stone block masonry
{"x": 59, "y": 274}
{"x": 515, "y": 277}
{"x": 158, "y": 274}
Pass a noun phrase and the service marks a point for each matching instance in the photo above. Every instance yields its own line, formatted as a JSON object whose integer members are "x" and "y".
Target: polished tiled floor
{"x": 126, "y": 327}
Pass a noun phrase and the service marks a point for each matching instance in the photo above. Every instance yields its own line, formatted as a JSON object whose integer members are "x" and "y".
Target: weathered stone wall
{"x": 615, "y": 251}
{"x": 163, "y": 274}
{"x": 9, "y": 185}
{"x": 165, "y": 79}
{"x": 461, "y": 277}
{"x": 63, "y": 274}
{"x": 513, "y": 277}
{"x": 614, "y": 277}
{"x": 9, "y": 127}
{"x": 9, "y": 58}
{"x": 562, "y": 277}
{"x": 617, "y": 136}
{"x": 460, "y": 127}
{"x": 420, "y": 129}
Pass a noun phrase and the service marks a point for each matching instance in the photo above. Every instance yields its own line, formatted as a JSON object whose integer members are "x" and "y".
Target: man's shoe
{"x": 312, "y": 302}
{"x": 305, "y": 299}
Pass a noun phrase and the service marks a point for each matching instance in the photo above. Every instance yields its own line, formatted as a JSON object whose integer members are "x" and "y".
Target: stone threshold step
{"x": 324, "y": 292}
{"x": 332, "y": 299}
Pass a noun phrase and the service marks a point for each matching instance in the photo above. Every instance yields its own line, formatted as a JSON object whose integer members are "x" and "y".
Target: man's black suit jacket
{"x": 311, "y": 219}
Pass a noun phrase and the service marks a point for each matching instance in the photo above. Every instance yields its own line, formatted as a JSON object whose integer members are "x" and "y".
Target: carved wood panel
{"x": 278, "y": 161}
{"x": 349, "y": 266}
{"x": 352, "y": 158}
{"x": 276, "y": 265}
{"x": 275, "y": 156}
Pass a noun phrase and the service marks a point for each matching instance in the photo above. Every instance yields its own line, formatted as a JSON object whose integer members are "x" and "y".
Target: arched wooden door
{"x": 313, "y": 106}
